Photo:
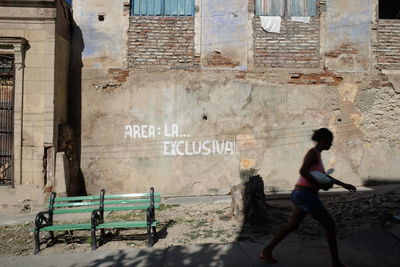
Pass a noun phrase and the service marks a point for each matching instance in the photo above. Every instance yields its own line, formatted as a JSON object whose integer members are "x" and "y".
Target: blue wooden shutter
{"x": 146, "y": 8}
{"x": 179, "y": 7}
{"x": 270, "y": 7}
{"x": 162, "y": 8}
{"x": 302, "y": 8}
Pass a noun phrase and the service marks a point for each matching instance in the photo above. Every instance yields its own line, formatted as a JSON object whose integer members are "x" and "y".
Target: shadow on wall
{"x": 379, "y": 181}
{"x": 76, "y": 183}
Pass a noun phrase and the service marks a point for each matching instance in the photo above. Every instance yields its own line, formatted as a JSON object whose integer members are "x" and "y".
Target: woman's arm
{"x": 349, "y": 187}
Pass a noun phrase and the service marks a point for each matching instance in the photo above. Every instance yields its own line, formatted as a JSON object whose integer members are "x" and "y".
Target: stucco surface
{"x": 348, "y": 23}
{"x": 104, "y": 41}
{"x": 224, "y": 30}
{"x": 269, "y": 125}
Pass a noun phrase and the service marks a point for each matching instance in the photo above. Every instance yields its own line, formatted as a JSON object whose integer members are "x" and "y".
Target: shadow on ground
{"x": 378, "y": 245}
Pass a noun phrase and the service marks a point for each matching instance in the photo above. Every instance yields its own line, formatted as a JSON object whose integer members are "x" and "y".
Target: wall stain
{"x": 216, "y": 58}
{"x": 325, "y": 77}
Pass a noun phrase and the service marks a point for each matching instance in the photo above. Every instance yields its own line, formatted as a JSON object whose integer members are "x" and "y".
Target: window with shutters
{"x": 169, "y": 8}
{"x": 283, "y": 8}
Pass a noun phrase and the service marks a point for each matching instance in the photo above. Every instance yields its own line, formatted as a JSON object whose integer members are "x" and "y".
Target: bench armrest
{"x": 42, "y": 221}
{"x": 97, "y": 217}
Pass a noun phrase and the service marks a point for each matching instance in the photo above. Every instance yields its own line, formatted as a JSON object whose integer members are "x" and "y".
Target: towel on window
{"x": 301, "y": 19}
{"x": 271, "y": 23}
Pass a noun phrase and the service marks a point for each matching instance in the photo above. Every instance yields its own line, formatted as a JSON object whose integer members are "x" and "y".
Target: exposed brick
{"x": 325, "y": 77}
{"x": 161, "y": 41}
{"x": 296, "y": 46}
{"x": 388, "y": 47}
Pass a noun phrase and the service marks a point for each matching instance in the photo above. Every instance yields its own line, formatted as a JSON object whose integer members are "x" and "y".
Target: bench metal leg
{"x": 94, "y": 242}
{"x": 37, "y": 242}
{"x": 102, "y": 236}
{"x": 149, "y": 237}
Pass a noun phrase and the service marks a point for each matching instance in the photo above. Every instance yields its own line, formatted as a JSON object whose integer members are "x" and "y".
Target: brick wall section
{"x": 389, "y": 44}
{"x": 296, "y": 46}
{"x": 161, "y": 41}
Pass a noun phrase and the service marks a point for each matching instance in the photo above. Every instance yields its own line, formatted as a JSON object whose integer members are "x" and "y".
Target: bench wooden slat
{"x": 60, "y": 199}
{"x": 132, "y": 224}
{"x": 134, "y": 201}
{"x": 131, "y": 195}
{"x": 65, "y": 211}
{"x": 67, "y": 227}
{"x": 122, "y": 208}
{"x": 76, "y": 204}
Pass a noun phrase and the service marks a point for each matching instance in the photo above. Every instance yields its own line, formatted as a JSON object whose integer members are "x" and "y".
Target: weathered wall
{"x": 161, "y": 41}
{"x": 62, "y": 44}
{"x": 192, "y": 132}
{"x": 105, "y": 42}
{"x": 268, "y": 125}
{"x": 296, "y": 46}
{"x": 224, "y": 34}
{"x": 347, "y": 36}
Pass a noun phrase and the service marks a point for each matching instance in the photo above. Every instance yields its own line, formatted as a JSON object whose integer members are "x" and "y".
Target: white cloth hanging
{"x": 301, "y": 19}
{"x": 271, "y": 23}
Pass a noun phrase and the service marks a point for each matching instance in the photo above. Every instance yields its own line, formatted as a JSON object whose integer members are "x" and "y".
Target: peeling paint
{"x": 348, "y": 92}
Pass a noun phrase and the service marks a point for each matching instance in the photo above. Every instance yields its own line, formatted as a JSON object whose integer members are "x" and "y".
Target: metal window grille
{"x": 162, "y": 8}
{"x": 6, "y": 119}
{"x": 286, "y": 7}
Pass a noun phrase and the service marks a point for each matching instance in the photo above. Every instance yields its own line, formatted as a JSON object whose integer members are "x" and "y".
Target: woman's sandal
{"x": 268, "y": 259}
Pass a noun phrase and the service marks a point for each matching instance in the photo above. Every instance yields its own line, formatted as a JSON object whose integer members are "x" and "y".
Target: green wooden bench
{"x": 44, "y": 221}
{"x": 127, "y": 202}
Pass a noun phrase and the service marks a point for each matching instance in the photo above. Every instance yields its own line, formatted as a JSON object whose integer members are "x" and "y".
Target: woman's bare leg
{"x": 294, "y": 221}
{"x": 325, "y": 219}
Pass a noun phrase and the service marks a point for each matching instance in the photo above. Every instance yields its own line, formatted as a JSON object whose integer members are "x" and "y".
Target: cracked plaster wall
{"x": 271, "y": 124}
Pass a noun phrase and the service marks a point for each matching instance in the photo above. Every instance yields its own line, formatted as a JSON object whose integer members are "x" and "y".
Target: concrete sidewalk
{"x": 373, "y": 247}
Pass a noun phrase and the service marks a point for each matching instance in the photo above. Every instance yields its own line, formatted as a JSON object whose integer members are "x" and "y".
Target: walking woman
{"x": 306, "y": 200}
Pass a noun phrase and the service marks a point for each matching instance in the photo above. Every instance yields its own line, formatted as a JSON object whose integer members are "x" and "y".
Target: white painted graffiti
{"x": 191, "y": 148}
{"x": 151, "y": 131}
{"x": 179, "y": 147}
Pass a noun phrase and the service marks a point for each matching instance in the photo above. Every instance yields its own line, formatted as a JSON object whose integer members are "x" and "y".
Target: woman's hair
{"x": 320, "y": 134}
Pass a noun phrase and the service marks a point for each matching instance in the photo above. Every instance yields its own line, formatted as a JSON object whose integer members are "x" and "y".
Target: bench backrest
{"x": 79, "y": 204}
{"x": 139, "y": 201}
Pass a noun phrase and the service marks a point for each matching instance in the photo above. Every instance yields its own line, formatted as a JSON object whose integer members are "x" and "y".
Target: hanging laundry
{"x": 302, "y": 19}
{"x": 271, "y": 23}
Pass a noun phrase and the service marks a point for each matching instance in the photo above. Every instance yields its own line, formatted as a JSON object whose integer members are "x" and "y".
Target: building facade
{"x": 188, "y": 95}
{"x": 34, "y": 56}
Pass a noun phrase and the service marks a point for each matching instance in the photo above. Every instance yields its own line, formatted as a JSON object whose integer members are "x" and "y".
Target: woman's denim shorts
{"x": 306, "y": 200}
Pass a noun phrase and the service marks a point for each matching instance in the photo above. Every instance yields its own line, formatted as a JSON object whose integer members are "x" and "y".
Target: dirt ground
{"x": 201, "y": 223}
